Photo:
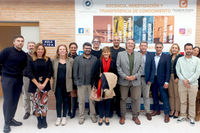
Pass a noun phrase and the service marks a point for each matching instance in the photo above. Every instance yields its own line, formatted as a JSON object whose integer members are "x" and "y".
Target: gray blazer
{"x": 123, "y": 68}
{"x": 79, "y": 69}
{"x": 69, "y": 67}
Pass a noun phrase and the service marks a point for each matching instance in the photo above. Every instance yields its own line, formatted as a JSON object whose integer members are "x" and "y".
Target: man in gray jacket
{"x": 130, "y": 66}
{"x": 82, "y": 78}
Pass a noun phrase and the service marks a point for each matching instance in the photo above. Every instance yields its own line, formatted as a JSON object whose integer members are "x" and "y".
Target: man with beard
{"x": 115, "y": 101}
{"x": 13, "y": 61}
{"x": 188, "y": 71}
{"x": 26, "y": 81}
{"x": 82, "y": 78}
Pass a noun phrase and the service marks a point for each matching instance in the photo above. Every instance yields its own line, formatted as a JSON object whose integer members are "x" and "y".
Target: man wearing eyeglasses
{"x": 96, "y": 51}
{"x": 115, "y": 102}
{"x": 82, "y": 78}
{"x": 161, "y": 81}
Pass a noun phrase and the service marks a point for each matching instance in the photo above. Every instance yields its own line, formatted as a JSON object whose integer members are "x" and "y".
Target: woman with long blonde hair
{"x": 40, "y": 72}
{"x": 174, "y": 99}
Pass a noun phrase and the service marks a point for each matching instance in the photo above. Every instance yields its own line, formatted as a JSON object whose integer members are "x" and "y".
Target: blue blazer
{"x": 150, "y": 67}
{"x": 164, "y": 69}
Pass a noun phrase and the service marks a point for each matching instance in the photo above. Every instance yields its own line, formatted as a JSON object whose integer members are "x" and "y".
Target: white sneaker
{"x": 192, "y": 123}
{"x": 180, "y": 119}
{"x": 58, "y": 121}
{"x": 64, "y": 121}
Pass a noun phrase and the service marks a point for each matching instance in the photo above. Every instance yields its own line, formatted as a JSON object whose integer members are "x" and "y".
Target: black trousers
{"x": 115, "y": 101}
{"x": 62, "y": 100}
{"x": 12, "y": 88}
{"x": 104, "y": 108}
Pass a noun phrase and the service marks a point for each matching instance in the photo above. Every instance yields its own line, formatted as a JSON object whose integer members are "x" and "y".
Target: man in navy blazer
{"x": 161, "y": 81}
{"x": 147, "y": 76}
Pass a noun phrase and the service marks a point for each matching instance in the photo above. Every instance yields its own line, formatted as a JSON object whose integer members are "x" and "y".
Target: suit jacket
{"x": 79, "y": 69}
{"x": 174, "y": 66}
{"x": 150, "y": 67}
{"x": 34, "y": 73}
{"x": 164, "y": 69}
{"x": 123, "y": 68}
{"x": 69, "y": 68}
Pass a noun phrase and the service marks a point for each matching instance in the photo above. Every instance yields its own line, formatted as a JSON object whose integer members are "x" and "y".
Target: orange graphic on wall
{"x": 164, "y": 29}
{"x": 183, "y": 3}
{"x": 102, "y": 28}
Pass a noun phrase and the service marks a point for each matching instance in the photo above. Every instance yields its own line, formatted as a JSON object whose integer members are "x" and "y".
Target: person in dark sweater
{"x": 13, "y": 61}
{"x": 115, "y": 102}
{"x": 104, "y": 64}
{"x": 26, "y": 81}
{"x": 72, "y": 54}
{"x": 40, "y": 72}
{"x": 96, "y": 51}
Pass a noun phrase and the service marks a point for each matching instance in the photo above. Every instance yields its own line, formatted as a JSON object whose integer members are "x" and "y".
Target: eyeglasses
{"x": 116, "y": 40}
{"x": 96, "y": 41}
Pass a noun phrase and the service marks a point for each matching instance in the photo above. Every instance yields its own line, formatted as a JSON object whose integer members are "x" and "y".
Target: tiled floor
{"x": 157, "y": 124}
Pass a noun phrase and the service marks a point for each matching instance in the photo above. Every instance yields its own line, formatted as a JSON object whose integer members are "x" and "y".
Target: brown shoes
{"x": 122, "y": 120}
{"x": 148, "y": 115}
{"x": 166, "y": 119}
{"x": 136, "y": 120}
{"x": 26, "y": 116}
{"x": 154, "y": 113}
{"x": 197, "y": 117}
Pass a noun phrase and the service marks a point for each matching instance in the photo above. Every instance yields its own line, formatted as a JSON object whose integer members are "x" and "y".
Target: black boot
{"x": 69, "y": 111}
{"x": 44, "y": 122}
{"x": 39, "y": 125}
{"x": 74, "y": 107}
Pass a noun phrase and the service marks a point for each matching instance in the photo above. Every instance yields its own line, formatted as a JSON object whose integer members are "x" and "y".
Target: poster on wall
{"x": 169, "y": 22}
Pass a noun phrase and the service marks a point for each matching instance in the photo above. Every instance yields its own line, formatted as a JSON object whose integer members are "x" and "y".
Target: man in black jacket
{"x": 13, "y": 61}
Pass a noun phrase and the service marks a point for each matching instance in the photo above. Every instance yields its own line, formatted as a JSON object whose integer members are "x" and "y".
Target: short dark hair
{"x": 144, "y": 42}
{"x": 73, "y": 43}
{"x": 18, "y": 36}
{"x": 159, "y": 43}
{"x": 188, "y": 44}
{"x": 87, "y": 44}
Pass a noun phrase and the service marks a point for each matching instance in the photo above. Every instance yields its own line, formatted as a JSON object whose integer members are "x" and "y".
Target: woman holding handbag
{"x": 104, "y": 64}
{"x": 62, "y": 82}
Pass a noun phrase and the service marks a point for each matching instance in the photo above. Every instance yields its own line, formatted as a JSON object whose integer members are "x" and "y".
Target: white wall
{"x": 31, "y": 33}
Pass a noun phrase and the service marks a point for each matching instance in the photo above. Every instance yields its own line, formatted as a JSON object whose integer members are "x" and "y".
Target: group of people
{"x": 175, "y": 77}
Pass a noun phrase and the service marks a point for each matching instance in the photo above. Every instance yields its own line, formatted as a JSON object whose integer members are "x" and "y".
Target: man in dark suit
{"x": 147, "y": 76}
{"x": 161, "y": 81}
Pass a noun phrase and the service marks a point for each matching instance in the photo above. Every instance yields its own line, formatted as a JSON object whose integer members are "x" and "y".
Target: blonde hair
{"x": 35, "y": 52}
{"x": 106, "y": 48}
{"x": 170, "y": 51}
{"x": 57, "y": 55}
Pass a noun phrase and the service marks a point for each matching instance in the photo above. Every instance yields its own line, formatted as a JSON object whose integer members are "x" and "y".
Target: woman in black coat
{"x": 40, "y": 72}
{"x": 104, "y": 64}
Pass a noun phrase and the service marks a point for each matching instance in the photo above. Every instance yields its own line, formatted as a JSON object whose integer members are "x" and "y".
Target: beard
{"x": 30, "y": 51}
{"x": 189, "y": 53}
{"x": 87, "y": 53}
